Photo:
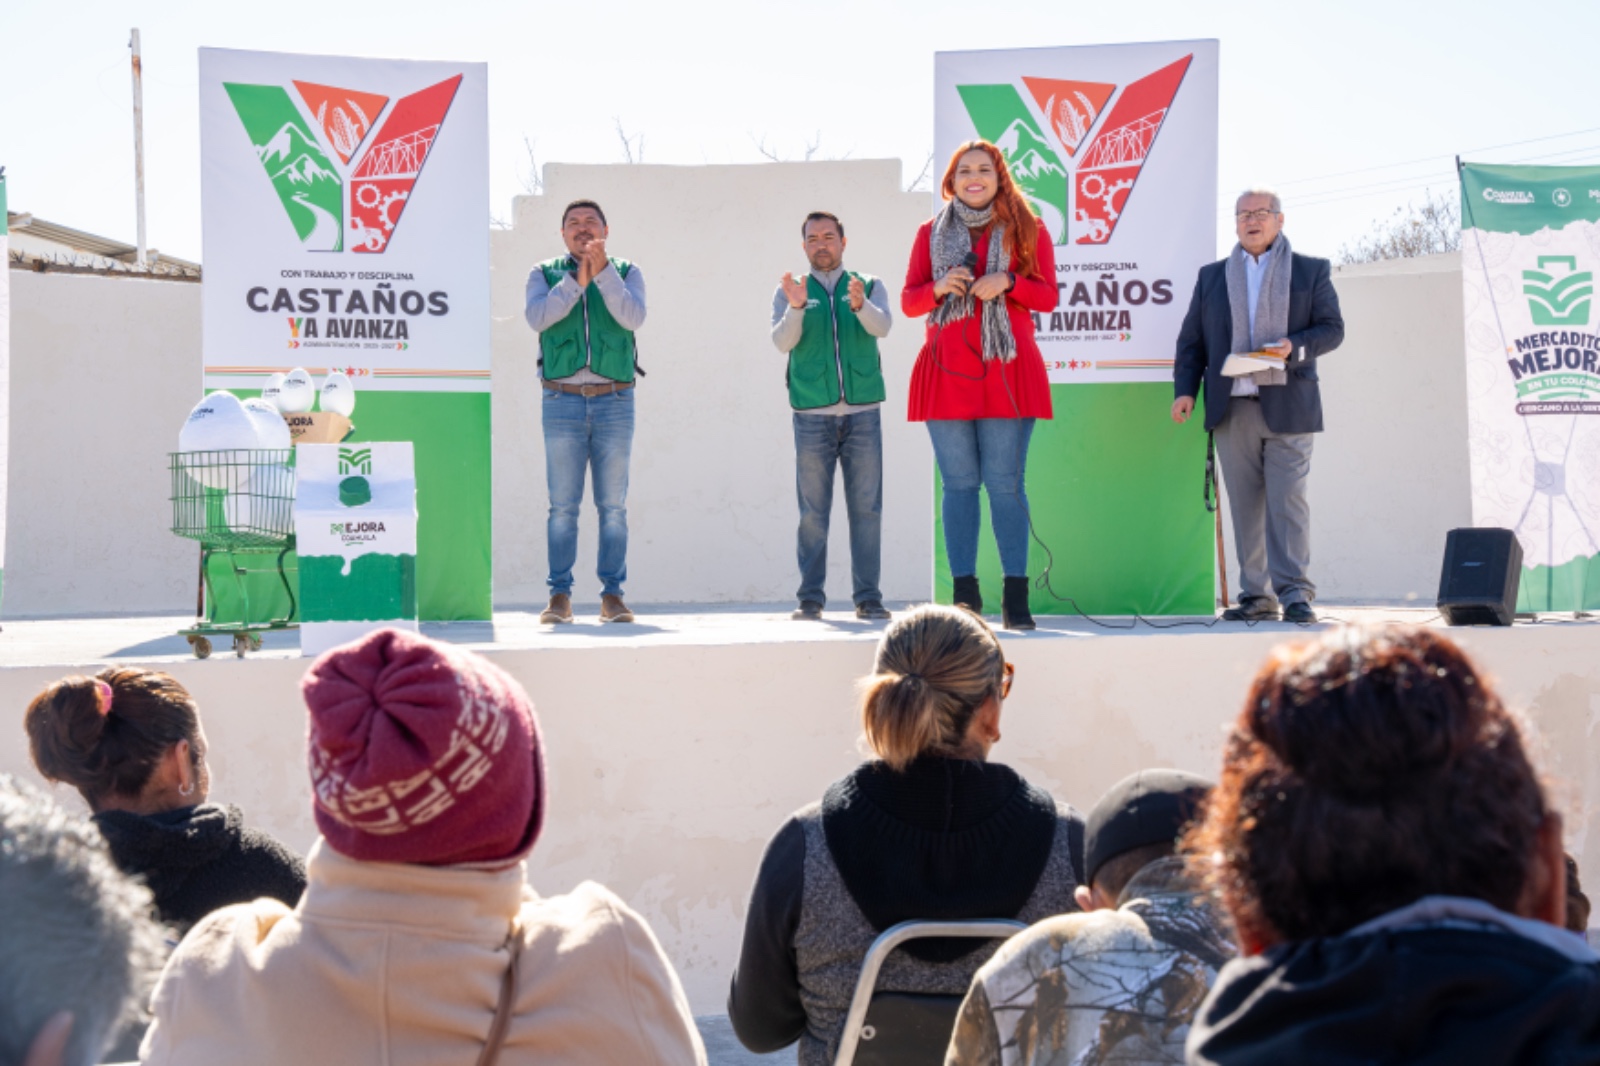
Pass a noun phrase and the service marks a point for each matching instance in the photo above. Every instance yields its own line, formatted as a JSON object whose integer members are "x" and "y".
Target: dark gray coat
{"x": 1315, "y": 329}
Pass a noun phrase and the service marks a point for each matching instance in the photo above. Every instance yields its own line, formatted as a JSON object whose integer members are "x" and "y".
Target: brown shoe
{"x": 612, "y": 609}
{"x": 560, "y": 610}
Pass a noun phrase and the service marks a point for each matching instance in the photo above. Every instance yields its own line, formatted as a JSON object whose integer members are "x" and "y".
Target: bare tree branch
{"x": 761, "y": 146}
{"x": 632, "y": 147}
{"x": 1413, "y": 230}
{"x": 920, "y": 183}
{"x": 812, "y": 151}
{"x": 533, "y": 180}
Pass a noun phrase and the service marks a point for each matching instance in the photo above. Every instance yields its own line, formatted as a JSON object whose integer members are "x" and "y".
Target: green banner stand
{"x": 1530, "y": 249}
{"x": 1115, "y": 488}
{"x": 450, "y": 432}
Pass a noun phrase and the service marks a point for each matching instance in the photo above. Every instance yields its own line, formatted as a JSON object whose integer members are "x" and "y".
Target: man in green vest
{"x": 829, "y": 325}
{"x": 586, "y": 306}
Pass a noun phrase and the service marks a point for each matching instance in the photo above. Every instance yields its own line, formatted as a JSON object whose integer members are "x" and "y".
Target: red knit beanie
{"x": 422, "y": 753}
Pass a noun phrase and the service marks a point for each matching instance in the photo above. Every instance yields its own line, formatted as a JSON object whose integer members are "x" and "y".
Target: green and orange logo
{"x": 340, "y": 190}
{"x": 1091, "y": 188}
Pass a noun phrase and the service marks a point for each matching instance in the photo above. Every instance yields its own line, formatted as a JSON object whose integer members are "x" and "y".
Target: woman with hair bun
{"x": 928, "y": 829}
{"x": 1393, "y": 868}
{"x": 130, "y": 742}
{"x": 980, "y": 270}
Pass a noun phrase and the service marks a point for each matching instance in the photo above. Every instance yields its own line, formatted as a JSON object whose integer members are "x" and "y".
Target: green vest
{"x": 589, "y": 338}
{"x": 835, "y": 351}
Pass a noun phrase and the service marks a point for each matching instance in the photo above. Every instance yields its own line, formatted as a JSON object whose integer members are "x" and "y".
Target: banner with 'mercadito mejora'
{"x": 344, "y": 204}
{"x": 5, "y": 366}
{"x": 1530, "y": 247}
{"x": 1115, "y": 148}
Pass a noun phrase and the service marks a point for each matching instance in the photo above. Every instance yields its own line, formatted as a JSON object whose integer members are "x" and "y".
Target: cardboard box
{"x": 318, "y": 427}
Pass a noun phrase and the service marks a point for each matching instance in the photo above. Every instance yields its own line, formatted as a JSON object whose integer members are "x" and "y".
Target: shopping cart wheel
{"x": 245, "y": 642}
{"x": 201, "y": 646}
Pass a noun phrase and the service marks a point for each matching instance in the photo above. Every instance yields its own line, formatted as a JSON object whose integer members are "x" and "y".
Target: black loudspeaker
{"x": 1482, "y": 570}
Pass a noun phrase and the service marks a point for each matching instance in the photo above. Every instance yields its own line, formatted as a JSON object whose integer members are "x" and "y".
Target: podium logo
{"x": 341, "y": 190}
{"x": 1092, "y": 188}
{"x": 355, "y": 461}
{"x": 1558, "y": 298}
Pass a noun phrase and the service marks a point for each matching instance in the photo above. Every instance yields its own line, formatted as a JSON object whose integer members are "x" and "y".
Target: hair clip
{"x": 103, "y": 689}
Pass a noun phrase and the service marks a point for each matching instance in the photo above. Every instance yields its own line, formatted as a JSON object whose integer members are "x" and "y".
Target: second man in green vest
{"x": 829, "y": 325}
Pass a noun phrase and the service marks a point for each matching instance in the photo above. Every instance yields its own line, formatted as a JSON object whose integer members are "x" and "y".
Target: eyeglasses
{"x": 1260, "y": 214}
{"x": 1008, "y": 673}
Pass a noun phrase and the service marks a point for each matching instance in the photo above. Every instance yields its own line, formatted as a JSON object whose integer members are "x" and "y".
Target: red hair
{"x": 1010, "y": 206}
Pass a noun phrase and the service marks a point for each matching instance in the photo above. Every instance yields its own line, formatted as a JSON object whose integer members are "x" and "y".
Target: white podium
{"x": 355, "y": 521}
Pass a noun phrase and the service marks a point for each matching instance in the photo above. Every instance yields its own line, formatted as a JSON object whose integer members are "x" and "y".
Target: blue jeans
{"x": 992, "y": 452}
{"x": 579, "y": 432}
{"x": 854, "y": 442}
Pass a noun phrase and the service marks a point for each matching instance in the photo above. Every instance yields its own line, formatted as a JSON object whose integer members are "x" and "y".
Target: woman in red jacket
{"x": 979, "y": 269}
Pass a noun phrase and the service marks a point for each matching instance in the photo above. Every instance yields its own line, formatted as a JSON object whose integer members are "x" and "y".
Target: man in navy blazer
{"x": 1263, "y": 422}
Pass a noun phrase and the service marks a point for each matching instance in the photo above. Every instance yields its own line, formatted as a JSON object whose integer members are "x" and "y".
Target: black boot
{"x": 967, "y": 594}
{"x": 1014, "y": 604}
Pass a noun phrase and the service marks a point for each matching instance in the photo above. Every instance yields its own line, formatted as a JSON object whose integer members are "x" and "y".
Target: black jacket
{"x": 1435, "y": 993}
{"x": 1315, "y": 329}
{"x": 945, "y": 838}
{"x": 200, "y": 859}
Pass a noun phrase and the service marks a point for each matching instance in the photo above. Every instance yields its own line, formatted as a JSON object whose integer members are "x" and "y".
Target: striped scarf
{"x": 951, "y": 242}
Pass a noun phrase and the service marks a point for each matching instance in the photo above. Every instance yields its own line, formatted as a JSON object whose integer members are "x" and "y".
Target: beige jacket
{"x": 386, "y": 964}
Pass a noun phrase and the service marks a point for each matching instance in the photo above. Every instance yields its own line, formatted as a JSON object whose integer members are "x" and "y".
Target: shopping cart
{"x": 239, "y": 504}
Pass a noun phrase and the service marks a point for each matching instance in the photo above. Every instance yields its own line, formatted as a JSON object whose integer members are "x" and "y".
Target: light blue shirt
{"x": 1254, "y": 270}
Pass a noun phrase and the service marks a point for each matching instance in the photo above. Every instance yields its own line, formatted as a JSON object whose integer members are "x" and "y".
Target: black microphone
{"x": 970, "y": 261}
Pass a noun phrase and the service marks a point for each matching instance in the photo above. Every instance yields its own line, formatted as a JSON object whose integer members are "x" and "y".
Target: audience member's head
{"x": 1137, "y": 822}
{"x": 126, "y": 739}
{"x": 1368, "y": 769}
{"x": 1577, "y": 903}
{"x": 78, "y": 946}
{"x": 935, "y": 688}
{"x": 422, "y": 753}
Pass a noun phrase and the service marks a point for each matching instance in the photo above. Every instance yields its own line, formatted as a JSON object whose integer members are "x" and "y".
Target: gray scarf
{"x": 1272, "y": 306}
{"x": 950, "y": 245}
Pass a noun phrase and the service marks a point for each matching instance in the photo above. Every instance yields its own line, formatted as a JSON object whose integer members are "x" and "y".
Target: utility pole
{"x": 138, "y": 142}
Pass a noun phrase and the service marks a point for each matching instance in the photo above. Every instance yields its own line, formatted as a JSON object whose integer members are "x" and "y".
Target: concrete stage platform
{"x": 678, "y": 744}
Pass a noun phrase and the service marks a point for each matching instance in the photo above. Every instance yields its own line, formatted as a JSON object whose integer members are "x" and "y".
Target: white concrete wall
{"x": 712, "y": 505}
{"x": 103, "y": 372}
{"x": 711, "y": 502}
{"x": 1389, "y": 477}
{"x": 670, "y": 767}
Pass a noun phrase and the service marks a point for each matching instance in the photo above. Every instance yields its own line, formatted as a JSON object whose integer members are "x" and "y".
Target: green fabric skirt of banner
{"x": 1115, "y": 494}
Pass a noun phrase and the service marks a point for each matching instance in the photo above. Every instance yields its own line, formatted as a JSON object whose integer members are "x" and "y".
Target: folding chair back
{"x": 907, "y": 1028}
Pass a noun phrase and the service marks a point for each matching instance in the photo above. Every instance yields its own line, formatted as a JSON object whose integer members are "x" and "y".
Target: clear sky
{"x": 1315, "y": 97}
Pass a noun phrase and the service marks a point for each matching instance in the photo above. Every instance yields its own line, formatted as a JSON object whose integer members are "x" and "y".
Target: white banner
{"x": 5, "y": 368}
{"x": 346, "y": 205}
{"x": 1530, "y": 247}
{"x": 1116, "y": 148}
{"x": 345, "y": 220}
